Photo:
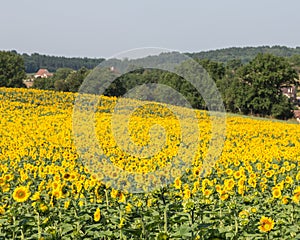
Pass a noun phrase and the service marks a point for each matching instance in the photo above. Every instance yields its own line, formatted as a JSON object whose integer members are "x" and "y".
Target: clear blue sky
{"x": 97, "y": 28}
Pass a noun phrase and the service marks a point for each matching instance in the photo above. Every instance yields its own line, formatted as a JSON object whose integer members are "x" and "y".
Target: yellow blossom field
{"x": 48, "y": 190}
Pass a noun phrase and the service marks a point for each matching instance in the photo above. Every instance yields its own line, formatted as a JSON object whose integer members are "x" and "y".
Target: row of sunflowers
{"x": 52, "y": 187}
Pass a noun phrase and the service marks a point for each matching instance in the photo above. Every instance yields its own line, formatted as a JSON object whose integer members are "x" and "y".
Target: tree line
{"x": 245, "y": 54}
{"x": 36, "y": 61}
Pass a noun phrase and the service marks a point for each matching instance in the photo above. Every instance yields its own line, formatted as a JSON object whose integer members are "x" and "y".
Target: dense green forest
{"x": 36, "y": 61}
{"x": 245, "y": 54}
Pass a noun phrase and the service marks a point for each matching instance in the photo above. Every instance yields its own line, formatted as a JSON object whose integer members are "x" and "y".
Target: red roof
{"x": 297, "y": 113}
{"x": 43, "y": 73}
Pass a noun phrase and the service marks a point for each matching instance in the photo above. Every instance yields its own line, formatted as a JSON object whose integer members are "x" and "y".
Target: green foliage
{"x": 245, "y": 54}
{"x": 295, "y": 60}
{"x": 152, "y": 79}
{"x": 216, "y": 70}
{"x": 44, "y": 83}
{"x": 75, "y": 79}
{"x": 36, "y": 61}
{"x": 255, "y": 88}
{"x": 62, "y": 73}
{"x": 12, "y": 71}
{"x": 267, "y": 70}
{"x": 234, "y": 64}
{"x": 262, "y": 78}
{"x": 59, "y": 79}
{"x": 65, "y": 79}
{"x": 99, "y": 80}
{"x": 282, "y": 109}
{"x": 234, "y": 94}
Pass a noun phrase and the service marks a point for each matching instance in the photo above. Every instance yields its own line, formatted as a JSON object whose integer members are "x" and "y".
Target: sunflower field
{"x": 48, "y": 191}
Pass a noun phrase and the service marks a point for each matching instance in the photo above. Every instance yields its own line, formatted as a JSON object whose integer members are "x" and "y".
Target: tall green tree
{"x": 75, "y": 79}
{"x": 263, "y": 77}
{"x": 216, "y": 70}
{"x": 44, "y": 83}
{"x": 59, "y": 79}
{"x": 62, "y": 73}
{"x": 12, "y": 70}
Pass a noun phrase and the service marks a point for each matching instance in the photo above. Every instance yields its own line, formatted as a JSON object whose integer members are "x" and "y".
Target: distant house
{"x": 43, "y": 73}
{"x": 28, "y": 83}
{"x": 113, "y": 69}
{"x": 290, "y": 91}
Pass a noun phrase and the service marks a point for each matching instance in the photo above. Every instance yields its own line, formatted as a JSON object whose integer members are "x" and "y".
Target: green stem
{"x": 22, "y": 235}
{"x": 121, "y": 235}
{"x": 166, "y": 219}
{"x": 143, "y": 226}
{"x": 191, "y": 217}
{"x": 14, "y": 229}
{"x": 143, "y": 229}
{"x": 106, "y": 198}
{"x": 220, "y": 211}
{"x": 236, "y": 224}
{"x": 39, "y": 225}
{"x": 292, "y": 215}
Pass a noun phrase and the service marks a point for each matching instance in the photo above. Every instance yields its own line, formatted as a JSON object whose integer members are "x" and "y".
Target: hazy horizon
{"x": 99, "y": 29}
{"x": 96, "y": 57}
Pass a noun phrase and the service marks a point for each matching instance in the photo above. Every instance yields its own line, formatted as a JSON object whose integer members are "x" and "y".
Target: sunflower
{"x": 21, "y": 194}
{"x": 224, "y": 195}
{"x": 207, "y": 192}
{"x": 2, "y": 181}
{"x": 276, "y": 192}
{"x": 57, "y": 193}
{"x": 36, "y": 196}
{"x": 114, "y": 193}
{"x": 285, "y": 200}
{"x": 252, "y": 182}
{"x": 237, "y": 174}
{"x": 229, "y": 171}
{"x": 97, "y": 215}
{"x": 177, "y": 183}
{"x": 289, "y": 180}
{"x": 186, "y": 194}
{"x": 229, "y": 184}
{"x": 122, "y": 198}
{"x": 244, "y": 214}
{"x": 269, "y": 173}
{"x": 43, "y": 207}
{"x": 266, "y": 224}
{"x": 296, "y": 197}
{"x": 66, "y": 176}
{"x": 128, "y": 208}
{"x": 66, "y": 205}
{"x": 253, "y": 210}
{"x": 2, "y": 210}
